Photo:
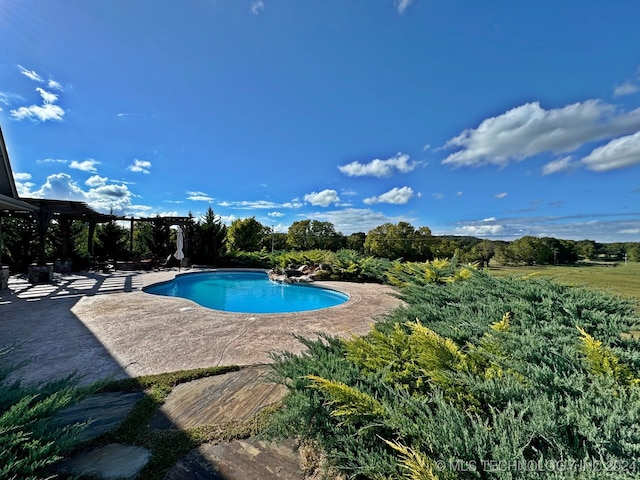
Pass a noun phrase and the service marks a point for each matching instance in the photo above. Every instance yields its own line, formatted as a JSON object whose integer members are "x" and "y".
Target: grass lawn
{"x": 622, "y": 280}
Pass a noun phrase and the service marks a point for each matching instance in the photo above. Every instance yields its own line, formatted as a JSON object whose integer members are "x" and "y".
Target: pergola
{"x": 43, "y": 210}
{"x": 63, "y": 212}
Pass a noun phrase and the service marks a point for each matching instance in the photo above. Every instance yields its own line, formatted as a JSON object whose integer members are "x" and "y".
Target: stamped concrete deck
{"x": 104, "y": 326}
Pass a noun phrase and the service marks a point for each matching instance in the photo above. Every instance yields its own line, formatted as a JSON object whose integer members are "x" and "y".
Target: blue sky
{"x": 496, "y": 120}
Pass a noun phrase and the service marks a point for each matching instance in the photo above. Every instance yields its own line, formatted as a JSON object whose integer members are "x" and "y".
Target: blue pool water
{"x": 247, "y": 292}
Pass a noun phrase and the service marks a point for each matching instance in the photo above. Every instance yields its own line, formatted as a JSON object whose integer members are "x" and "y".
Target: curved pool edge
{"x": 332, "y": 286}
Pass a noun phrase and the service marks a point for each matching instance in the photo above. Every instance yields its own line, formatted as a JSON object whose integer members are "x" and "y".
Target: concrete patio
{"x": 104, "y": 326}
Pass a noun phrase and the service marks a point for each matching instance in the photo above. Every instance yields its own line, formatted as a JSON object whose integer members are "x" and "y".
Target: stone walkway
{"x": 214, "y": 402}
{"x": 101, "y": 326}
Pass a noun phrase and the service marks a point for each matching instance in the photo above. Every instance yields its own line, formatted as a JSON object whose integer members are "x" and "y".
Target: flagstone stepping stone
{"x": 111, "y": 461}
{"x": 231, "y": 397}
{"x": 249, "y": 459}
{"x": 103, "y": 411}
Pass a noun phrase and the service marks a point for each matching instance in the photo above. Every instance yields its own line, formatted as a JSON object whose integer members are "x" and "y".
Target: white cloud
{"x": 21, "y": 176}
{"x": 564, "y": 164}
{"x": 110, "y": 191}
{"x": 198, "y": 197}
{"x": 380, "y": 168}
{"x": 144, "y": 211}
{"x": 96, "y": 181}
{"x": 60, "y": 186}
{"x": 172, "y": 213}
{"x": 51, "y": 160}
{"x": 395, "y": 196}
{"x": 30, "y": 74}
{"x": 112, "y": 198}
{"x": 47, "y": 111}
{"x": 86, "y": 165}
{"x": 42, "y": 113}
{"x": 480, "y": 230}
{"x": 228, "y": 219}
{"x": 529, "y": 130}
{"x": 54, "y": 85}
{"x": 24, "y": 188}
{"x": 257, "y": 7}
{"x": 260, "y": 204}
{"x": 500, "y": 195}
{"x": 323, "y": 198}
{"x": 141, "y": 166}
{"x": 130, "y": 114}
{"x": 295, "y": 203}
{"x": 275, "y": 214}
{"x": 619, "y": 153}
{"x": 47, "y": 97}
{"x": 627, "y": 88}
{"x": 402, "y": 5}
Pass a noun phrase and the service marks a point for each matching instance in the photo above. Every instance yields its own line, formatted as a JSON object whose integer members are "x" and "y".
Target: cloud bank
{"x": 529, "y": 130}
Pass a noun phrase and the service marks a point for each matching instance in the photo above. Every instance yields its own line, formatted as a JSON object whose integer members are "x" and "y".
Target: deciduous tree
{"x": 245, "y": 235}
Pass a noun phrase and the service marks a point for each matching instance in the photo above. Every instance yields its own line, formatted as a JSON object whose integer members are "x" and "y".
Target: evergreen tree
{"x": 160, "y": 238}
{"x": 111, "y": 241}
{"x": 210, "y": 238}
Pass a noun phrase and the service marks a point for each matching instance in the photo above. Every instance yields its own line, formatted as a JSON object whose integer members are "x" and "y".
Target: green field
{"x": 621, "y": 280}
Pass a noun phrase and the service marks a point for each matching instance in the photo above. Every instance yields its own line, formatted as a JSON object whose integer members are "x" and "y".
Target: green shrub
{"x": 29, "y": 445}
{"x": 483, "y": 378}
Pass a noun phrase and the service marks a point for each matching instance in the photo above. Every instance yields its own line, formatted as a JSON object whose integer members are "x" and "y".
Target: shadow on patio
{"x": 53, "y": 340}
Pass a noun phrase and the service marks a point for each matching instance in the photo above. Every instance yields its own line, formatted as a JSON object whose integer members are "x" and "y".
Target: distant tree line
{"x": 210, "y": 242}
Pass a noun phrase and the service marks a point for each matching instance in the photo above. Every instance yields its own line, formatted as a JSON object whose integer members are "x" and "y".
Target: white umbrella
{"x": 179, "y": 244}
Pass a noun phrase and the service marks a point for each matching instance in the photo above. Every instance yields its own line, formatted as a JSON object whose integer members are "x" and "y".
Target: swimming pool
{"x": 247, "y": 291}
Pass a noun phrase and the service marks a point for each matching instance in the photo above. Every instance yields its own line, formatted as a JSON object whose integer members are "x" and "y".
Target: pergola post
{"x": 41, "y": 271}
{"x": 65, "y": 233}
{"x": 43, "y": 218}
{"x": 167, "y": 229}
{"x": 131, "y": 238}
{"x": 92, "y": 231}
